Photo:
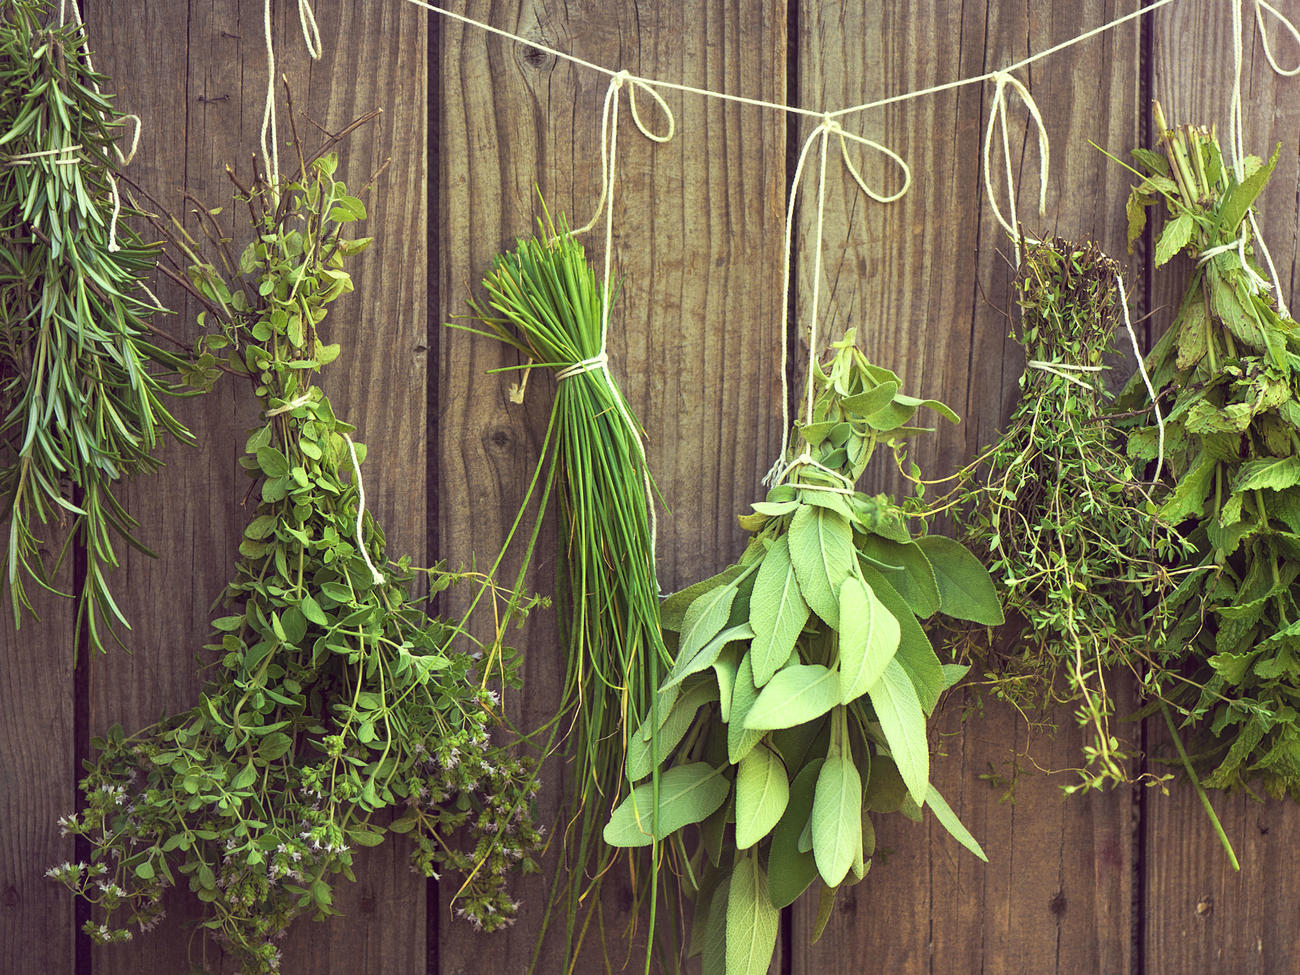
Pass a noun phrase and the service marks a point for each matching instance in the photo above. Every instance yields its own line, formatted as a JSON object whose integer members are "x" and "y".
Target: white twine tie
{"x": 998, "y": 116}
{"x": 123, "y": 158}
{"x": 821, "y": 133}
{"x": 1237, "y": 135}
{"x": 1146, "y": 379}
{"x": 270, "y": 133}
{"x": 376, "y": 576}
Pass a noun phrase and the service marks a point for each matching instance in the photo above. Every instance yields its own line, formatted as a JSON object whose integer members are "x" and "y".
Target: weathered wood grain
{"x": 196, "y": 73}
{"x": 697, "y": 227}
{"x": 1199, "y": 914}
{"x": 37, "y": 774}
{"x": 926, "y": 281}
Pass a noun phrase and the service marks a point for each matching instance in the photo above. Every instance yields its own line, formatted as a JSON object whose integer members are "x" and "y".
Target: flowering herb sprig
{"x": 338, "y": 712}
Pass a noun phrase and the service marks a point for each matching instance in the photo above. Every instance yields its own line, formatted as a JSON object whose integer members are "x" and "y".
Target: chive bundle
{"x": 544, "y": 300}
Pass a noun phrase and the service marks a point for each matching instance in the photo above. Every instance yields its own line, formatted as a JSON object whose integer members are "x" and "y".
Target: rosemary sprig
{"x": 81, "y": 396}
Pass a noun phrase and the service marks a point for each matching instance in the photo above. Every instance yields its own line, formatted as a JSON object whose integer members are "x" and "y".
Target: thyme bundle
{"x": 543, "y": 299}
{"x": 81, "y": 380}
{"x": 339, "y": 712}
{"x": 798, "y": 696}
{"x": 1065, "y": 520}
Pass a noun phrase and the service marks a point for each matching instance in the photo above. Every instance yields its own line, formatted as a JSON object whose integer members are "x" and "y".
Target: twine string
{"x": 1146, "y": 378}
{"x": 820, "y": 135}
{"x": 123, "y": 157}
{"x": 376, "y": 576}
{"x": 1063, "y": 370}
{"x": 1004, "y": 80}
{"x": 270, "y": 133}
{"x": 1237, "y": 136}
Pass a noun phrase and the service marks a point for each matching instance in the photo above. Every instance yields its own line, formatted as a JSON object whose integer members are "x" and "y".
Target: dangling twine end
{"x": 376, "y": 576}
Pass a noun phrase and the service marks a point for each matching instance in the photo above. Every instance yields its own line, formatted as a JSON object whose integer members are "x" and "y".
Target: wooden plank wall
{"x": 1124, "y": 882}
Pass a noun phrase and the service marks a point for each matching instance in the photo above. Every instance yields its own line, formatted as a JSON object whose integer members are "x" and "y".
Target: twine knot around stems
{"x": 1257, "y": 282}
{"x": 1003, "y": 80}
{"x": 1063, "y": 370}
{"x": 599, "y": 361}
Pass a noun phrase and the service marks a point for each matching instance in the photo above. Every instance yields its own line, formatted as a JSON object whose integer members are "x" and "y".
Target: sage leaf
{"x": 752, "y": 921}
{"x": 915, "y": 653}
{"x": 687, "y": 794}
{"x": 706, "y": 617}
{"x": 836, "y": 818}
{"x": 703, "y": 658}
{"x": 949, "y": 821}
{"x": 797, "y": 694}
{"x": 822, "y": 553}
{"x": 777, "y": 612}
{"x": 908, "y": 570}
{"x": 965, "y": 590}
{"x": 741, "y": 739}
{"x": 899, "y": 712}
{"x": 641, "y": 750}
{"x": 762, "y": 792}
{"x": 869, "y": 637}
{"x": 789, "y": 870}
{"x": 725, "y": 669}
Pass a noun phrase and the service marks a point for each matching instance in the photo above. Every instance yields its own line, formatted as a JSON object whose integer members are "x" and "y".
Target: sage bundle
{"x": 82, "y": 382}
{"x": 339, "y": 712}
{"x": 802, "y": 679}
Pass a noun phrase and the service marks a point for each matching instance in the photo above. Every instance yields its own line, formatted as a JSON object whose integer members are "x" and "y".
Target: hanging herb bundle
{"x": 543, "y": 299}
{"x": 337, "y": 703}
{"x": 1062, "y": 515}
{"x": 81, "y": 381}
{"x": 797, "y": 700}
{"x": 1228, "y": 370}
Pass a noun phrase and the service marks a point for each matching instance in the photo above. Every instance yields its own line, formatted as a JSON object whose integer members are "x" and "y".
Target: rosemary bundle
{"x": 543, "y": 299}
{"x": 81, "y": 393}
{"x": 1228, "y": 374}
{"x": 1065, "y": 521}
{"x": 801, "y": 682}
{"x": 339, "y": 712}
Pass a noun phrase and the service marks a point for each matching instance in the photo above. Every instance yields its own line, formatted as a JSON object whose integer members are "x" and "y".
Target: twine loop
{"x": 1260, "y": 7}
{"x": 1003, "y": 80}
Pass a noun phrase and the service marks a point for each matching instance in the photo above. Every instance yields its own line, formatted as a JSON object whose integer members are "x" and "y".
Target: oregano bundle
{"x": 339, "y": 712}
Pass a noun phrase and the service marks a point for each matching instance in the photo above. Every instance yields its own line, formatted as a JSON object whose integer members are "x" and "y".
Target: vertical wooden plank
{"x": 696, "y": 331}
{"x": 37, "y": 772}
{"x": 926, "y": 281}
{"x": 196, "y": 73}
{"x": 1200, "y": 915}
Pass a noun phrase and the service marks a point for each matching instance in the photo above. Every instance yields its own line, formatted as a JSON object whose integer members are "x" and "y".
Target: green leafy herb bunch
{"x": 1064, "y": 518}
{"x": 82, "y": 384}
{"x": 543, "y": 298}
{"x": 338, "y": 711}
{"x": 797, "y": 701}
{"x": 1228, "y": 375}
